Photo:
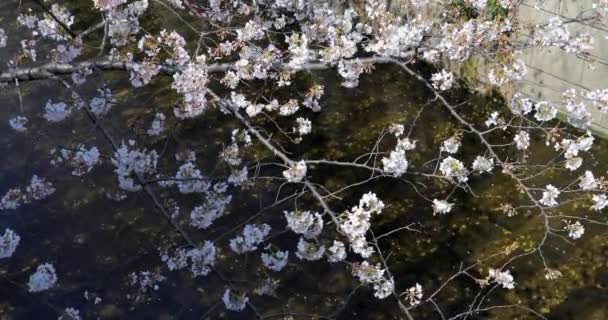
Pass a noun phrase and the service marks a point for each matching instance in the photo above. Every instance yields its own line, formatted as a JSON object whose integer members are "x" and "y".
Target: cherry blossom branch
{"x": 48, "y": 70}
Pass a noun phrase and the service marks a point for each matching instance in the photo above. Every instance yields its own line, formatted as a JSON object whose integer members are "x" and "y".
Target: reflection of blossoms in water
{"x": 3, "y": 38}
{"x": 38, "y": 189}
{"x": 81, "y": 160}
{"x": 234, "y": 301}
{"x": 43, "y": 279}
{"x": 251, "y": 237}
{"x": 158, "y": 125}
{"x": 18, "y": 123}
{"x": 276, "y": 260}
{"x": 70, "y": 314}
{"x": 8, "y": 243}
{"x": 56, "y": 112}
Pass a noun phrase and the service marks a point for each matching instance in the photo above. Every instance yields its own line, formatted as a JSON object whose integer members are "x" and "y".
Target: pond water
{"x": 95, "y": 242}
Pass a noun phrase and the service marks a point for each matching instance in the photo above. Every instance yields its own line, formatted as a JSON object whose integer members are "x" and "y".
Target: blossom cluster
{"x": 133, "y": 162}
{"x": 234, "y": 301}
{"x": 38, "y": 189}
{"x": 503, "y": 278}
{"x": 253, "y": 235}
{"x": 43, "y": 279}
{"x": 375, "y": 275}
{"x": 396, "y": 163}
{"x": 200, "y": 259}
{"x": 358, "y": 222}
{"x": 8, "y": 243}
{"x": 572, "y": 149}
{"x": 453, "y": 168}
{"x": 296, "y": 173}
{"x": 80, "y": 159}
{"x": 191, "y": 82}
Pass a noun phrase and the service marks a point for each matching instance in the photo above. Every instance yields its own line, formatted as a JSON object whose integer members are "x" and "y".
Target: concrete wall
{"x": 553, "y": 71}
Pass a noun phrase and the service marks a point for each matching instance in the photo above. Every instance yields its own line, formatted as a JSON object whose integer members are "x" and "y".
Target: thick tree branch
{"x": 48, "y": 70}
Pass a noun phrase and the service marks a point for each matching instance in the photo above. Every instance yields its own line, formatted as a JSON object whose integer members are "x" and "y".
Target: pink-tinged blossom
{"x": 200, "y": 259}
{"x": 129, "y": 160}
{"x": 190, "y": 180}
{"x": 357, "y": 223}
{"x": 304, "y": 126}
{"x": 191, "y": 83}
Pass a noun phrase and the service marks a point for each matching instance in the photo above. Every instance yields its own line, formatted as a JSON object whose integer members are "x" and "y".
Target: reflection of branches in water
{"x": 367, "y": 162}
{"x": 150, "y": 192}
